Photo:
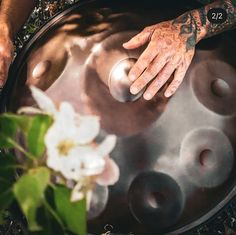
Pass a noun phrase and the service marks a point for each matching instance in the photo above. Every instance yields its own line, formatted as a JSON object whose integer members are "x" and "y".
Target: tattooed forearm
{"x": 230, "y": 8}
{"x": 171, "y": 47}
{"x": 195, "y": 25}
{"x": 189, "y": 28}
{"x": 202, "y": 15}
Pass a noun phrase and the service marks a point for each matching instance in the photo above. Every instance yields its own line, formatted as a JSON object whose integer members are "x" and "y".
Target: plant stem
{"x": 53, "y": 213}
{"x": 22, "y": 150}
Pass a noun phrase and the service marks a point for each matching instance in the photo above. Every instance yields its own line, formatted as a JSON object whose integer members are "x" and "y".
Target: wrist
{"x": 190, "y": 28}
{"x": 200, "y": 27}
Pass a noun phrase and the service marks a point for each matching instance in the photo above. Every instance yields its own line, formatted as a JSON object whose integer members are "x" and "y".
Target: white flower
{"x": 45, "y": 104}
{"x": 71, "y": 152}
{"x": 43, "y": 101}
{"x": 74, "y": 161}
{"x": 69, "y": 144}
{"x": 71, "y": 149}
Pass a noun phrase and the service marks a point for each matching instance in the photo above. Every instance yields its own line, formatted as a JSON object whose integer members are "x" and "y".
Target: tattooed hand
{"x": 171, "y": 47}
{"x": 6, "y": 52}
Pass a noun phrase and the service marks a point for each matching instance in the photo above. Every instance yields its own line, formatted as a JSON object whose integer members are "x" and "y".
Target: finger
{"x": 138, "y": 40}
{"x": 159, "y": 81}
{"x": 155, "y": 67}
{"x": 178, "y": 78}
{"x": 179, "y": 75}
{"x": 143, "y": 61}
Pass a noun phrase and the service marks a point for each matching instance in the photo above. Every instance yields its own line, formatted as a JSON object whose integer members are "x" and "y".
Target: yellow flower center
{"x": 65, "y": 146}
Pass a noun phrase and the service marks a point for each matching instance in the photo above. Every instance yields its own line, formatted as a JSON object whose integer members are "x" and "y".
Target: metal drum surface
{"x": 176, "y": 156}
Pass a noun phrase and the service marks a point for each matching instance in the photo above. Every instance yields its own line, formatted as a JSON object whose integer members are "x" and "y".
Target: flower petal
{"x": 43, "y": 101}
{"x": 54, "y": 162}
{"x": 67, "y": 113}
{"x": 110, "y": 175}
{"x": 93, "y": 165}
{"x": 30, "y": 110}
{"x": 80, "y": 162}
{"x": 77, "y": 193}
{"x": 89, "y": 195}
{"x": 107, "y": 145}
{"x": 88, "y": 128}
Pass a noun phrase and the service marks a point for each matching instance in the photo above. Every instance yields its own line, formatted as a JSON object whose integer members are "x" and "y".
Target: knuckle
{"x": 175, "y": 85}
{"x": 147, "y": 29}
{"x": 177, "y": 82}
{"x": 144, "y": 60}
{"x": 143, "y": 63}
{"x": 151, "y": 72}
{"x": 171, "y": 64}
{"x": 164, "y": 74}
{"x": 157, "y": 83}
{"x": 135, "y": 71}
{"x": 144, "y": 79}
{"x": 138, "y": 38}
{"x": 140, "y": 85}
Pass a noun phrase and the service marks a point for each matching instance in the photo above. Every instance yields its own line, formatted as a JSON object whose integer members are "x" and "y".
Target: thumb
{"x": 138, "y": 40}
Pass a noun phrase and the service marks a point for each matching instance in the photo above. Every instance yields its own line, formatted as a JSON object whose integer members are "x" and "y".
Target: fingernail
{"x": 134, "y": 90}
{"x": 167, "y": 94}
{"x": 147, "y": 96}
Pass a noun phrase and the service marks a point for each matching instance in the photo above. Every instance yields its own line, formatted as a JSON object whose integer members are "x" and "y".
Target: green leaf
{"x": 38, "y": 129}
{"x": 9, "y": 123}
{"x": 7, "y": 168}
{"x": 48, "y": 218}
{"x": 7, "y": 126}
{"x": 29, "y": 192}
{"x": 2, "y": 219}
{"x": 49, "y": 225}
{"x": 23, "y": 122}
{"x": 7, "y": 179}
{"x": 5, "y": 142}
{"x": 6, "y": 198}
{"x": 3, "y": 215}
{"x": 73, "y": 214}
{"x": 7, "y": 132}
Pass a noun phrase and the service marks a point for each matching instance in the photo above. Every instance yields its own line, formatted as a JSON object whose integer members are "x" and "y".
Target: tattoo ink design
{"x": 202, "y": 15}
{"x": 234, "y": 2}
{"x": 195, "y": 25}
{"x": 188, "y": 28}
{"x": 212, "y": 29}
{"x": 171, "y": 47}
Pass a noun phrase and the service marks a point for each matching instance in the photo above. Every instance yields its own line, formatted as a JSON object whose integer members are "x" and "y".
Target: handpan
{"x": 177, "y": 155}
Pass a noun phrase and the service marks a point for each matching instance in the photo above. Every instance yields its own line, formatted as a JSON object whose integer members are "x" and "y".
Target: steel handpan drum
{"x": 176, "y": 156}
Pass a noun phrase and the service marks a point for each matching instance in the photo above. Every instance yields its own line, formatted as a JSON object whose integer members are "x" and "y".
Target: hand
{"x": 170, "y": 50}
{"x": 6, "y": 53}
